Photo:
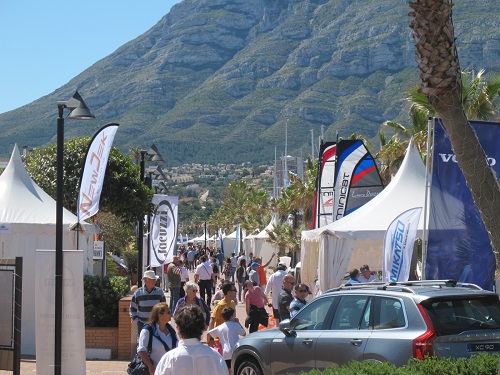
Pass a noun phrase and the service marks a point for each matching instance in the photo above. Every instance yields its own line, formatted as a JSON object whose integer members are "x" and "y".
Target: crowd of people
{"x": 235, "y": 280}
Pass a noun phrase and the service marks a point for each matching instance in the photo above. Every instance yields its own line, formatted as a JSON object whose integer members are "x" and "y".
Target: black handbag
{"x": 136, "y": 366}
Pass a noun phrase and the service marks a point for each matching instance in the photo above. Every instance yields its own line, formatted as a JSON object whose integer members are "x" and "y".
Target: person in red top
{"x": 255, "y": 300}
{"x": 262, "y": 271}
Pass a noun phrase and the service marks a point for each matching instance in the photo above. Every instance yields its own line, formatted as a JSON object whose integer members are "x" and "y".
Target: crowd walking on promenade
{"x": 195, "y": 333}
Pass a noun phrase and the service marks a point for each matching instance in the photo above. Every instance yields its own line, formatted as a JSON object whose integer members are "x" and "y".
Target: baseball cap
{"x": 282, "y": 264}
{"x": 254, "y": 264}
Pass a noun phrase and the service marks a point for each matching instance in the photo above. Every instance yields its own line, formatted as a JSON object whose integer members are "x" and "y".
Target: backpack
{"x": 215, "y": 268}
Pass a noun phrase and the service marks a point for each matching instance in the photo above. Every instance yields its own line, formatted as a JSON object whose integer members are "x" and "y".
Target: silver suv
{"x": 377, "y": 322}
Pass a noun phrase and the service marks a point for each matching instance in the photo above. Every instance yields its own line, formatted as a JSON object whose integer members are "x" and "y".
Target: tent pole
{"x": 428, "y": 164}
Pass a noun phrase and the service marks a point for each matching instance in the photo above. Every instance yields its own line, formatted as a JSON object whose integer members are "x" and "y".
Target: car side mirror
{"x": 284, "y": 327}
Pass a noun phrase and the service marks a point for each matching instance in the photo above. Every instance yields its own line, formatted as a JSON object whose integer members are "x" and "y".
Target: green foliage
{"x": 482, "y": 364}
{"x": 117, "y": 234}
{"x": 123, "y": 193}
{"x": 130, "y": 258}
{"x": 112, "y": 268}
{"x": 101, "y": 296}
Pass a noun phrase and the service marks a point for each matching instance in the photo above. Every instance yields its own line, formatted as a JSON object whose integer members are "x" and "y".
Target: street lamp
{"x": 78, "y": 111}
{"x": 153, "y": 155}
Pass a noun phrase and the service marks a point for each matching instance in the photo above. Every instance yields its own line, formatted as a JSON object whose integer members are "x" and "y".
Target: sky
{"x": 44, "y": 44}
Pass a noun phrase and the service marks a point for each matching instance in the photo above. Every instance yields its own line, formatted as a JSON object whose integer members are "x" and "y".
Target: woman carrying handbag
{"x": 164, "y": 337}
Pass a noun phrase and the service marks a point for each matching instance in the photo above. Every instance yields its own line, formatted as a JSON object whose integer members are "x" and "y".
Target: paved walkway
{"x": 28, "y": 365}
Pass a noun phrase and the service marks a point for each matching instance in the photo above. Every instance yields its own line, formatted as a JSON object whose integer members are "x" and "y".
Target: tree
{"x": 437, "y": 60}
{"x": 123, "y": 193}
{"x": 479, "y": 96}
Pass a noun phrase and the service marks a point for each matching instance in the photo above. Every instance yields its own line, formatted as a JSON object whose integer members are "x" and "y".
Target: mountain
{"x": 218, "y": 80}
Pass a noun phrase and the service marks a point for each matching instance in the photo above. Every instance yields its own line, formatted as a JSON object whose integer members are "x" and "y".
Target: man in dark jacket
{"x": 286, "y": 297}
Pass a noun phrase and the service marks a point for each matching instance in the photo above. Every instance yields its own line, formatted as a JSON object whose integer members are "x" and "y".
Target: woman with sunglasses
{"x": 301, "y": 292}
{"x": 191, "y": 288}
{"x": 164, "y": 336}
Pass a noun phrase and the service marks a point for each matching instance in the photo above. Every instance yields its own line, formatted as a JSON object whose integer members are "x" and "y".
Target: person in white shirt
{"x": 242, "y": 257}
{"x": 228, "y": 333}
{"x": 191, "y": 357}
{"x": 234, "y": 263}
{"x": 184, "y": 279}
{"x": 273, "y": 287}
{"x": 204, "y": 277}
{"x": 366, "y": 275}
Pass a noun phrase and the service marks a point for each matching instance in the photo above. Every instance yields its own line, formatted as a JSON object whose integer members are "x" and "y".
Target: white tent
{"x": 27, "y": 220}
{"x": 261, "y": 247}
{"x": 230, "y": 244}
{"x": 357, "y": 239}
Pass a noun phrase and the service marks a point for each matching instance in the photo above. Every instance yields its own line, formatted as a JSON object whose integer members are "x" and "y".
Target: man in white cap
{"x": 144, "y": 299}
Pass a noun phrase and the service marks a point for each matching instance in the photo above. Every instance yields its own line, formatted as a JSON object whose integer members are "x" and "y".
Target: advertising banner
{"x": 94, "y": 170}
{"x": 163, "y": 229}
{"x": 398, "y": 245}
{"x": 458, "y": 245}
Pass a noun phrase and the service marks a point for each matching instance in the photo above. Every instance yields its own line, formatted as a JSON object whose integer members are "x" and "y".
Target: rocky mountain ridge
{"x": 217, "y": 80}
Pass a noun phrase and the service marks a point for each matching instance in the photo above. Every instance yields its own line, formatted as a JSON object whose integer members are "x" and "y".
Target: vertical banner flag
{"x": 357, "y": 180}
{"x": 163, "y": 231}
{"x": 398, "y": 245}
{"x": 458, "y": 245}
{"x": 237, "y": 243}
{"x": 221, "y": 243}
{"x": 93, "y": 171}
{"x": 324, "y": 190}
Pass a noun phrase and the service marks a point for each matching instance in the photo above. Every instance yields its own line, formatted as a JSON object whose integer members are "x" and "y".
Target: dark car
{"x": 378, "y": 322}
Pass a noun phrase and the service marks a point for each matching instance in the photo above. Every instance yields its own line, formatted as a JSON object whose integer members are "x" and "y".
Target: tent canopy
{"x": 356, "y": 239}
{"x": 27, "y": 219}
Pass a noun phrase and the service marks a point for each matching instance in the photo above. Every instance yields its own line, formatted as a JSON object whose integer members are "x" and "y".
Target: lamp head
{"x": 154, "y": 154}
{"x": 78, "y": 108}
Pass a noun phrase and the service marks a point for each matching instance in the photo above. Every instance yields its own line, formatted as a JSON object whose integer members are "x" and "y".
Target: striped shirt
{"x": 142, "y": 303}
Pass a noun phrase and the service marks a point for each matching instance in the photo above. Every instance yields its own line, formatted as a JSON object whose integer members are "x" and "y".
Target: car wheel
{"x": 249, "y": 367}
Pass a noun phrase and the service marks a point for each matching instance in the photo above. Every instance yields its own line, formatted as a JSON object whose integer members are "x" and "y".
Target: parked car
{"x": 377, "y": 322}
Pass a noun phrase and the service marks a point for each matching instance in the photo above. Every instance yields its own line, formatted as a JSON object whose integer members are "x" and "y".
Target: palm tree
{"x": 478, "y": 98}
{"x": 135, "y": 153}
{"x": 437, "y": 60}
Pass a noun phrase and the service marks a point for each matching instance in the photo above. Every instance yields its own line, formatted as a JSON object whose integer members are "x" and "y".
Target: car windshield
{"x": 454, "y": 316}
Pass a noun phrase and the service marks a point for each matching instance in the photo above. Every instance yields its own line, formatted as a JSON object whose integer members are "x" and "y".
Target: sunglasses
{"x": 290, "y": 282}
{"x": 194, "y": 290}
{"x": 234, "y": 290}
{"x": 166, "y": 312}
{"x": 303, "y": 291}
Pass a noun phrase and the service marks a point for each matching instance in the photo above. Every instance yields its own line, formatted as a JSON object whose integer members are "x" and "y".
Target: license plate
{"x": 483, "y": 347}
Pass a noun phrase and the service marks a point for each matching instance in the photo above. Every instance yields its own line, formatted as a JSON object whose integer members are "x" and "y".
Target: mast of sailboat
{"x": 275, "y": 187}
{"x": 285, "y": 173}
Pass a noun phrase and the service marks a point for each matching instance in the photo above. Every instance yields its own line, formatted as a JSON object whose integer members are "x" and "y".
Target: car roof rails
{"x": 405, "y": 286}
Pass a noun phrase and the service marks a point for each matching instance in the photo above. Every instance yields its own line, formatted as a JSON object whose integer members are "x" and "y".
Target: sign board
{"x": 7, "y": 307}
{"x": 98, "y": 250}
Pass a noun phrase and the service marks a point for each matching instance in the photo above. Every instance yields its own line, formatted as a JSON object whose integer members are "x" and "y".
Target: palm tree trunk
{"x": 440, "y": 73}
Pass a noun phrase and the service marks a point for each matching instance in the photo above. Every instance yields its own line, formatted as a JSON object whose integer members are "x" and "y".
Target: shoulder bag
{"x": 136, "y": 366}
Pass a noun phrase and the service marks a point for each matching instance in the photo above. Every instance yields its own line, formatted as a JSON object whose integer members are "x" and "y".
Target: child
{"x": 228, "y": 333}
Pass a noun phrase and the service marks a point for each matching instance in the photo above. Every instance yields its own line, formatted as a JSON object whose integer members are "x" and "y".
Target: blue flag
{"x": 458, "y": 246}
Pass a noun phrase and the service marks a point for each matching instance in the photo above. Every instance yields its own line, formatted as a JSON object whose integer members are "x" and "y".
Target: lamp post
{"x": 78, "y": 111}
{"x": 153, "y": 155}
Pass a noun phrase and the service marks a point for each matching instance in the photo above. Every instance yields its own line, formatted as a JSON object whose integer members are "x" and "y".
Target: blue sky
{"x": 44, "y": 44}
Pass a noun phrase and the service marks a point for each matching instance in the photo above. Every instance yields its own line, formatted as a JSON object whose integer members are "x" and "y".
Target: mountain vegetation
{"x": 217, "y": 80}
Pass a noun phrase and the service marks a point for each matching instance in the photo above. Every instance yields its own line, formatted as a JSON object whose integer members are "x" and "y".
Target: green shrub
{"x": 101, "y": 296}
{"x": 481, "y": 364}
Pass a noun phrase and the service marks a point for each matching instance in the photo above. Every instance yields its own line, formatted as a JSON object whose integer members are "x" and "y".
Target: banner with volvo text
{"x": 458, "y": 244}
{"x": 94, "y": 170}
{"x": 163, "y": 229}
{"x": 398, "y": 245}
